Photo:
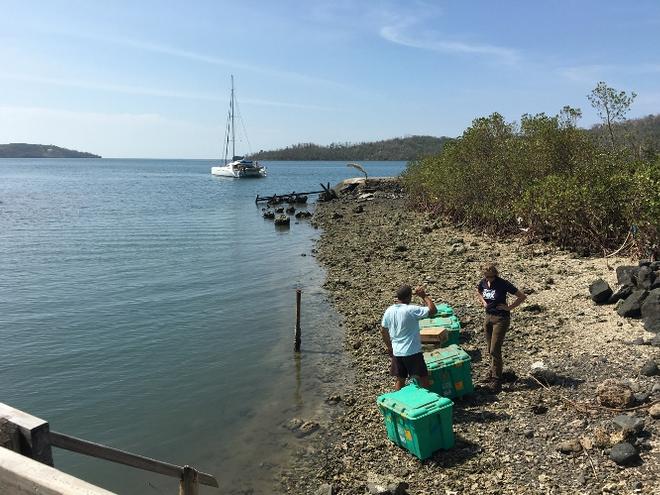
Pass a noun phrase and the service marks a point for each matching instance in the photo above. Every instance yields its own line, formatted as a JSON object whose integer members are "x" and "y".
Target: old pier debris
{"x": 326, "y": 194}
{"x": 282, "y": 220}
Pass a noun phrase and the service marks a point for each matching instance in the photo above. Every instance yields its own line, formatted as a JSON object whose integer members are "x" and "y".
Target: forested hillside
{"x": 25, "y": 150}
{"x": 407, "y": 148}
{"x": 643, "y": 133}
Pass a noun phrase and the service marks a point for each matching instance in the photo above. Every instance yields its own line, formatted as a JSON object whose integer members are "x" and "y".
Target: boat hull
{"x": 239, "y": 172}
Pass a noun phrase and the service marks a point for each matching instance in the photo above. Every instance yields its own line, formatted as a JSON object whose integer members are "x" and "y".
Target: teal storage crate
{"x": 451, "y": 323}
{"x": 450, "y": 371}
{"x": 418, "y": 420}
{"x": 443, "y": 310}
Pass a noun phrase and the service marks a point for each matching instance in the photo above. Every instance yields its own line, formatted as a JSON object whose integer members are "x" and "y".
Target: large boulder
{"x": 656, "y": 282}
{"x": 621, "y": 293}
{"x": 600, "y": 291}
{"x": 632, "y": 306}
{"x": 650, "y": 311}
{"x": 649, "y": 368}
{"x": 627, "y": 274}
{"x": 645, "y": 277}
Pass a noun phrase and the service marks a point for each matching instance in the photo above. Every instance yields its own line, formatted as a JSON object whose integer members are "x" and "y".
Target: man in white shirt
{"x": 400, "y": 332}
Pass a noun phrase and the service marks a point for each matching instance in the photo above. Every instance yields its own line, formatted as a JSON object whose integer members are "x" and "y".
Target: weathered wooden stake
{"x": 296, "y": 344}
{"x": 189, "y": 484}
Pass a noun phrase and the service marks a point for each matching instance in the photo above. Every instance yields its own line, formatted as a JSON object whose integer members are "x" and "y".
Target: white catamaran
{"x": 239, "y": 166}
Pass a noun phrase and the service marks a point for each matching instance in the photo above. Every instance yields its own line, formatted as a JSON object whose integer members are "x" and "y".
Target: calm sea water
{"x": 147, "y": 305}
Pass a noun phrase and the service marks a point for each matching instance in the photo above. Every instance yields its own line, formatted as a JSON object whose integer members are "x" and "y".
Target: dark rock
{"x": 358, "y": 209}
{"x": 650, "y": 311}
{"x": 626, "y": 274}
{"x": 656, "y": 282}
{"x": 632, "y": 306}
{"x": 621, "y": 293}
{"x": 644, "y": 263}
{"x": 529, "y": 433}
{"x": 629, "y": 424}
{"x": 400, "y": 248}
{"x": 336, "y": 215}
{"x": 600, "y": 291}
{"x": 645, "y": 277}
{"x": 642, "y": 397}
{"x": 509, "y": 376}
{"x": 539, "y": 409}
{"x": 650, "y": 368}
{"x": 638, "y": 341}
{"x": 624, "y": 454}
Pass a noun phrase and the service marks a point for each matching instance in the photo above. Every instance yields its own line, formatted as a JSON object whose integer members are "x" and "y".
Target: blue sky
{"x": 147, "y": 78}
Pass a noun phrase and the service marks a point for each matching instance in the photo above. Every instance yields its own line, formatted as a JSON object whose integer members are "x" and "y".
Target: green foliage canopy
{"x": 543, "y": 175}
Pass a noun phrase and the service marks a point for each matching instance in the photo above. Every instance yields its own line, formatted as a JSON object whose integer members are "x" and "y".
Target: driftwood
{"x": 583, "y": 407}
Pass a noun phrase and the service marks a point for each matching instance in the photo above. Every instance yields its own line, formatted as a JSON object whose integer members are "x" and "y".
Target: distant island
{"x": 400, "y": 149}
{"x": 25, "y": 150}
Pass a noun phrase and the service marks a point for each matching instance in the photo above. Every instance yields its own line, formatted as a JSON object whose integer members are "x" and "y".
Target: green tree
{"x": 611, "y": 105}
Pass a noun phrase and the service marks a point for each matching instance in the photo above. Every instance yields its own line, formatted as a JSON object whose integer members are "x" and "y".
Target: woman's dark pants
{"x": 495, "y": 328}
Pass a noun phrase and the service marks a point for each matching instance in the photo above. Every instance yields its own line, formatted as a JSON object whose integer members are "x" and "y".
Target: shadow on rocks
{"x": 475, "y": 355}
{"x": 469, "y": 416}
{"x": 466, "y": 336}
{"x": 463, "y": 451}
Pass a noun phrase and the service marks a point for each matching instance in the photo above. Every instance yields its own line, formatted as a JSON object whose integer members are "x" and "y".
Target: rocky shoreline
{"x": 555, "y": 435}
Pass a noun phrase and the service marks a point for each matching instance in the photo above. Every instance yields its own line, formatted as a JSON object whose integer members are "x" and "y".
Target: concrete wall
{"x": 20, "y": 475}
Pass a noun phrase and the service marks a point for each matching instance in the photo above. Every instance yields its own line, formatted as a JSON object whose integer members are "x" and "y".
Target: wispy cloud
{"x": 431, "y": 40}
{"x": 205, "y": 58}
{"x": 156, "y": 92}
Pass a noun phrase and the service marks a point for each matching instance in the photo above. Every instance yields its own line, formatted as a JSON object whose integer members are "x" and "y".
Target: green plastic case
{"x": 418, "y": 420}
{"x": 450, "y": 371}
{"x": 451, "y": 323}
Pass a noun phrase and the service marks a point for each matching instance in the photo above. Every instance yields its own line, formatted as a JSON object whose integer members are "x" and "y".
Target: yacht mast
{"x": 233, "y": 131}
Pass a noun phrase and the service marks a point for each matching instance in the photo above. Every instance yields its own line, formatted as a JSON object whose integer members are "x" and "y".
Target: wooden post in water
{"x": 189, "y": 484}
{"x": 296, "y": 344}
